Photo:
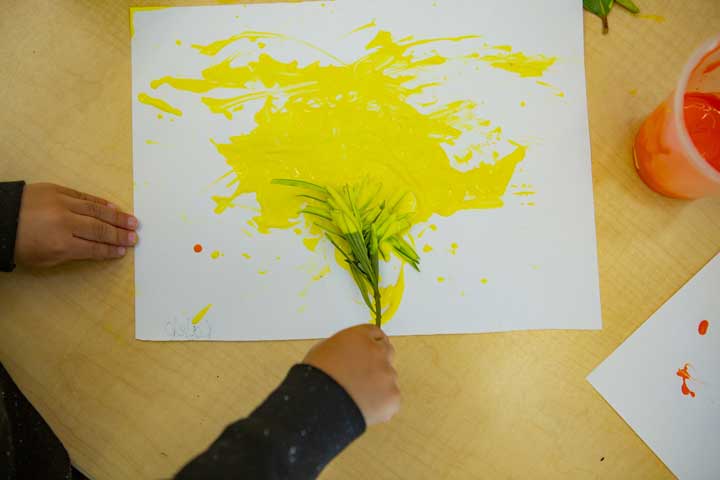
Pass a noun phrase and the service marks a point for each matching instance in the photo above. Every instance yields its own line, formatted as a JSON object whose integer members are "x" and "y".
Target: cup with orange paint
{"x": 677, "y": 150}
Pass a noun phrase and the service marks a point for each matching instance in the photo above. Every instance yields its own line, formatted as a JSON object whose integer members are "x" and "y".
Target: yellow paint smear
{"x": 364, "y": 27}
{"x": 336, "y": 122}
{"x": 215, "y": 255}
{"x": 134, "y": 10}
{"x": 441, "y": 279}
{"x": 453, "y": 248}
{"x": 427, "y": 249}
{"x": 201, "y": 314}
{"x": 151, "y": 142}
{"x": 247, "y": 256}
{"x": 392, "y": 297}
{"x": 654, "y": 18}
{"x": 324, "y": 271}
{"x": 159, "y": 103}
{"x": 262, "y": 272}
{"x": 311, "y": 243}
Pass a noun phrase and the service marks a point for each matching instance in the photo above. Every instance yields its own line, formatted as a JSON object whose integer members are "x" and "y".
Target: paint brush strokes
{"x": 338, "y": 122}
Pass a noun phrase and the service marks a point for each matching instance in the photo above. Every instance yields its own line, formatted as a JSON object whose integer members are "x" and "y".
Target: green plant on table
{"x": 363, "y": 227}
{"x": 602, "y": 8}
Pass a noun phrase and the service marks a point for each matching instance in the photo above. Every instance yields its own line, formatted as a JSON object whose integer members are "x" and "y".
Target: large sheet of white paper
{"x": 664, "y": 380}
{"x": 517, "y": 251}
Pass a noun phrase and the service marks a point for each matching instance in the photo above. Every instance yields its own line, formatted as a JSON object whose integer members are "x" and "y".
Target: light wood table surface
{"x": 511, "y": 405}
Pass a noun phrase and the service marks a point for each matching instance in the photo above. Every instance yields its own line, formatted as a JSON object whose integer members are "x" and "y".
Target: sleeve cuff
{"x": 10, "y": 198}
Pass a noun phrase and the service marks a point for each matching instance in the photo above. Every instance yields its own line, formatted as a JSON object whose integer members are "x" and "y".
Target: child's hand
{"x": 58, "y": 224}
{"x": 360, "y": 359}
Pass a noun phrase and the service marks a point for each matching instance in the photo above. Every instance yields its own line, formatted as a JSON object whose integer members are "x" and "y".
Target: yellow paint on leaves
{"x": 201, "y": 314}
{"x": 159, "y": 103}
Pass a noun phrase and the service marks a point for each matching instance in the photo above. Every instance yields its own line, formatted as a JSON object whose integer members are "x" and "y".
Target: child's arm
{"x": 43, "y": 225}
{"x": 344, "y": 384}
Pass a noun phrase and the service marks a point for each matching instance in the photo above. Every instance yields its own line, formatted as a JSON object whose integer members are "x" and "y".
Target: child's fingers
{"x": 92, "y": 229}
{"x": 103, "y": 212}
{"x": 81, "y": 196}
{"x": 81, "y": 249}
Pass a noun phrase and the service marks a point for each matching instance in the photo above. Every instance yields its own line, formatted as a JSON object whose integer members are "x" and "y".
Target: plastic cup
{"x": 665, "y": 156}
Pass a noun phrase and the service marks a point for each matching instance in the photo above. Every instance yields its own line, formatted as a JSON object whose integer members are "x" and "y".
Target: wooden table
{"x": 511, "y": 405}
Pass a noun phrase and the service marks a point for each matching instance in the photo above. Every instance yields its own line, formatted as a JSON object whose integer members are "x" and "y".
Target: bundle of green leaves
{"x": 602, "y": 8}
{"x": 363, "y": 227}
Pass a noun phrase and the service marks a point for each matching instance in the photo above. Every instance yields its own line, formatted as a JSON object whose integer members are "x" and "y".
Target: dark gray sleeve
{"x": 10, "y": 197}
{"x": 294, "y": 434}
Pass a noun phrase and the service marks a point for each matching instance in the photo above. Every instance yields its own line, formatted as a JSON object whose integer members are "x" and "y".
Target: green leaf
{"x": 601, "y": 8}
{"x": 289, "y": 182}
{"x": 628, "y": 5}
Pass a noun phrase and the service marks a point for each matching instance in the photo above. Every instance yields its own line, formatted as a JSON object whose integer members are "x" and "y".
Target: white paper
{"x": 517, "y": 267}
{"x": 640, "y": 379}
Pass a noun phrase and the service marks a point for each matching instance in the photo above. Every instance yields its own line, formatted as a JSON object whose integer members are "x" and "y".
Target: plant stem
{"x": 378, "y": 306}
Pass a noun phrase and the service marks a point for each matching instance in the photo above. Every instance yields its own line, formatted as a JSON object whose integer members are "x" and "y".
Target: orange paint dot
{"x": 197, "y": 248}
{"x": 702, "y": 327}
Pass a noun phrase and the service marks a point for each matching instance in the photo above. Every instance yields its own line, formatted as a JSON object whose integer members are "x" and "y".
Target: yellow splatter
{"x": 297, "y": 231}
{"x": 427, "y": 248}
{"x": 160, "y": 116}
{"x": 392, "y": 297}
{"x": 215, "y": 255}
{"x": 558, "y": 92}
{"x": 201, "y": 314}
{"x": 311, "y": 243}
{"x": 340, "y": 121}
{"x": 324, "y": 271}
{"x": 318, "y": 117}
{"x": 633, "y": 92}
{"x": 422, "y": 232}
{"x": 364, "y": 27}
{"x": 262, "y": 272}
{"x": 523, "y": 103}
{"x": 261, "y": 45}
{"x": 159, "y": 104}
{"x": 134, "y": 10}
{"x": 441, "y": 279}
{"x": 151, "y": 142}
{"x": 654, "y": 18}
{"x": 483, "y": 281}
{"x": 247, "y": 256}
{"x": 517, "y": 62}
{"x": 453, "y": 248}
{"x": 178, "y": 42}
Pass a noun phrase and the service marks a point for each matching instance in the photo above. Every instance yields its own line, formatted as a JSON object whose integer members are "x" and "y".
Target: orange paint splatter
{"x": 685, "y": 375}
{"x": 703, "y": 327}
{"x": 197, "y": 248}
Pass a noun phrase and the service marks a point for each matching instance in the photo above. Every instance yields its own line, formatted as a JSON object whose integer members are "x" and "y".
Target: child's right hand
{"x": 360, "y": 360}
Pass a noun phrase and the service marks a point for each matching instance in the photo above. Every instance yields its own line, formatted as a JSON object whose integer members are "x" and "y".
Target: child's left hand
{"x": 58, "y": 224}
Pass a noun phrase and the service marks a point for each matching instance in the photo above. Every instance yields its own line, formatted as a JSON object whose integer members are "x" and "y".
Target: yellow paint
{"x": 297, "y": 231}
{"x": 201, "y": 314}
{"x": 151, "y": 142}
{"x": 311, "y": 243}
{"x": 523, "y": 103}
{"x": 633, "y": 92}
{"x": 483, "y": 281}
{"x": 160, "y": 116}
{"x": 365, "y": 27}
{"x": 517, "y": 62}
{"x": 654, "y": 18}
{"x": 324, "y": 271}
{"x": 247, "y": 256}
{"x": 261, "y": 45}
{"x": 318, "y": 116}
{"x": 453, "y": 248}
{"x": 427, "y": 249}
{"x": 159, "y": 104}
{"x": 178, "y": 42}
{"x": 262, "y": 272}
{"x": 422, "y": 232}
{"x": 215, "y": 255}
{"x": 336, "y": 122}
{"x": 392, "y": 297}
{"x": 441, "y": 279}
{"x": 133, "y": 10}
{"x": 524, "y": 193}
{"x": 558, "y": 92}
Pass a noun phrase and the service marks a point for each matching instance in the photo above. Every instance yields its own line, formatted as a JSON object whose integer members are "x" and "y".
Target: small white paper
{"x": 529, "y": 262}
{"x": 643, "y": 379}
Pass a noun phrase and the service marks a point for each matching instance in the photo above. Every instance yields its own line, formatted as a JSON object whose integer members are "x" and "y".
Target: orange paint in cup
{"x": 677, "y": 150}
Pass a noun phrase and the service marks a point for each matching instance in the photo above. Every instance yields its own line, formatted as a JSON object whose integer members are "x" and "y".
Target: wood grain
{"x": 510, "y": 405}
